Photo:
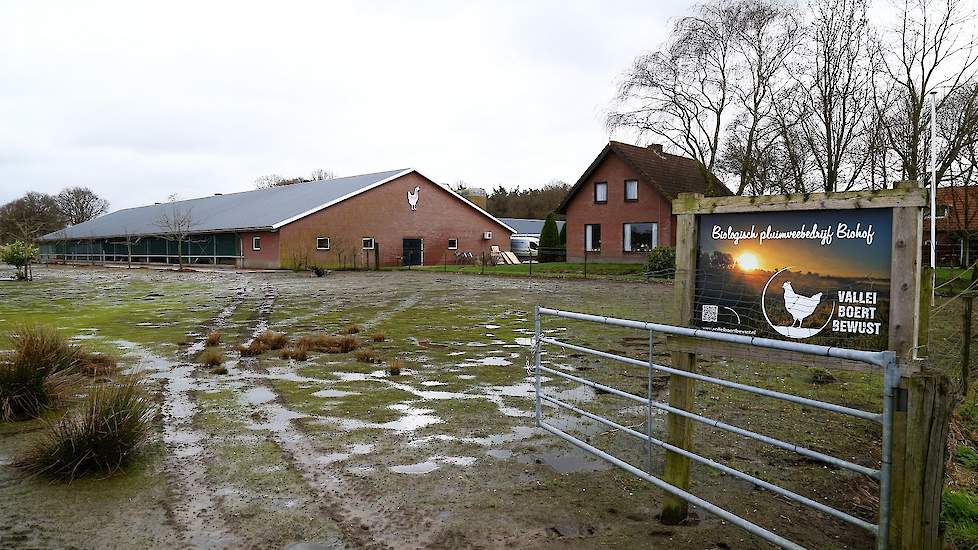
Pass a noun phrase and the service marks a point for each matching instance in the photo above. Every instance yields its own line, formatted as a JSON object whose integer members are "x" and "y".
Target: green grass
{"x": 952, "y": 280}
{"x": 559, "y": 270}
{"x": 966, "y": 456}
{"x": 959, "y": 511}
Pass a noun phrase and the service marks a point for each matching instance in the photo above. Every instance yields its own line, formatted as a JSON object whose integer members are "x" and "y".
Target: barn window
{"x": 368, "y": 243}
{"x": 322, "y": 243}
{"x": 256, "y": 243}
{"x": 601, "y": 191}
{"x": 453, "y": 244}
{"x": 631, "y": 190}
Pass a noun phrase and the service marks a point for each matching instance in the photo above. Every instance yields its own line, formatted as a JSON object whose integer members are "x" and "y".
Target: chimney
{"x": 655, "y": 148}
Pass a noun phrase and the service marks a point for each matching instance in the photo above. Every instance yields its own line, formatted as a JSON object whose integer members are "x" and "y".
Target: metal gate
{"x": 885, "y": 360}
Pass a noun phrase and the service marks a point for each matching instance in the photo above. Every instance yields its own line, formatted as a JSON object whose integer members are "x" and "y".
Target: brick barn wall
{"x": 384, "y": 214}
{"x": 582, "y": 210}
{"x": 267, "y": 257}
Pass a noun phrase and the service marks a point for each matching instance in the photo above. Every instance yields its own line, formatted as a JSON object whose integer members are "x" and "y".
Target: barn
{"x": 392, "y": 218}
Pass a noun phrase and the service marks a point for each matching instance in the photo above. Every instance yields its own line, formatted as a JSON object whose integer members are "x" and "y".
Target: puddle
{"x": 500, "y": 454}
{"x": 492, "y": 327}
{"x": 433, "y": 464}
{"x": 257, "y": 396}
{"x": 352, "y": 450}
{"x": 570, "y": 461}
{"x": 331, "y": 394}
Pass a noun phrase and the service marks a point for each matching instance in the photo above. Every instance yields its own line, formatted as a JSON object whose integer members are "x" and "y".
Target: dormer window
{"x": 601, "y": 191}
{"x": 631, "y": 190}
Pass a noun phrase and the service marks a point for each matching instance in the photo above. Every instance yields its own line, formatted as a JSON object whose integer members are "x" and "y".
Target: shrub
{"x": 297, "y": 352}
{"x": 274, "y": 340}
{"x": 211, "y": 357}
{"x": 394, "y": 367}
{"x": 102, "y": 438}
{"x": 38, "y": 374}
{"x": 19, "y": 254}
{"x": 549, "y": 240}
{"x": 319, "y": 271}
{"x": 213, "y": 338}
{"x": 662, "y": 262}
{"x": 378, "y": 337}
{"x": 220, "y": 369}
{"x": 368, "y": 356}
{"x": 351, "y": 329}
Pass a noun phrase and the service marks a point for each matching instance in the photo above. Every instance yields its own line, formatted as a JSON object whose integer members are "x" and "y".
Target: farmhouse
{"x": 621, "y": 207}
{"x": 956, "y": 226}
{"x": 398, "y": 217}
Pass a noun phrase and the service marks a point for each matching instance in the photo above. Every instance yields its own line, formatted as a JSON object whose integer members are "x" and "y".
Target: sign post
{"x": 836, "y": 269}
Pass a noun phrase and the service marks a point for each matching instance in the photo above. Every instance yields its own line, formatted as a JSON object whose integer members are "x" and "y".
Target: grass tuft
{"x": 329, "y": 344}
{"x": 966, "y": 456}
{"x": 253, "y": 349}
{"x": 213, "y": 338}
{"x": 297, "y": 352}
{"x": 274, "y": 340}
{"x": 378, "y": 336}
{"x": 95, "y": 364}
{"x": 394, "y": 367}
{"x": 39, "y": 373}
{"x": 220, "y": 369}
{"x": 352, "y": 328}
{"x": 102, "y": 438}
{"x": 211, "y": 357}
{"x": 368, "y": 356}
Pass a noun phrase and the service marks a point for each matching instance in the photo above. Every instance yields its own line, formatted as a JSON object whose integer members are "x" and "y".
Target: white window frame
{"x": 589, "y": 237}
{"x": 371, "y": 246}
{"x": 450, "y": 246}
{"x": 600, "y": 185}
{"x": 627, "y": 235}
{"x": 631, "y": 184}
{"x": 322, "y": 239}
{"x": 256, "y": 243}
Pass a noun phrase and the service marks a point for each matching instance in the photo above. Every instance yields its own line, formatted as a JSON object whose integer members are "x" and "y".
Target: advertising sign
{"x": 819, "y": 277}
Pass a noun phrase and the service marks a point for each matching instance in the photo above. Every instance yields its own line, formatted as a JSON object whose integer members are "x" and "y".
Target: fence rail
{"x": 885, "y": 360}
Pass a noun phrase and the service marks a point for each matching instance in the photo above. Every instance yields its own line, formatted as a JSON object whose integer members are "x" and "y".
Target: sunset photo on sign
{"x": 813, "y": 276}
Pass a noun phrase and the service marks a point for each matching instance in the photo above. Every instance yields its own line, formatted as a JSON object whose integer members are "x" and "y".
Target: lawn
{"x": 952, "y": 280}
{"x": 558, "y": 270}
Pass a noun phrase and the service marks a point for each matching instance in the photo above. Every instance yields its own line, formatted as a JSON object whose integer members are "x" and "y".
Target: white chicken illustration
{"x": 413, "y": 198}
{"x": 799, "y": 306}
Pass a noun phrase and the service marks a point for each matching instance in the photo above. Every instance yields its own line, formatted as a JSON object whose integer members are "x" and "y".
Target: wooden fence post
{"x": 681, "y": 389}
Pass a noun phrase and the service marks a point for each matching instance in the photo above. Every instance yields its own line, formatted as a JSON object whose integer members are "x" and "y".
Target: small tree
{"x": 563, "y": 235}
{"x": 177, "y": 225}
{"x": 549, "y": 239}
{"x": 20, "y": 254}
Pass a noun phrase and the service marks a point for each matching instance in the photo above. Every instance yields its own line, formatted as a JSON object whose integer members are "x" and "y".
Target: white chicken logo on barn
{"x": 799, "y": 307}
{"x": 413, "y": 198}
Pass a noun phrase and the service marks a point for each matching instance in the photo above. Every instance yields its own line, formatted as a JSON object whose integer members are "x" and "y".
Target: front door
{"x": 413, "y": 250}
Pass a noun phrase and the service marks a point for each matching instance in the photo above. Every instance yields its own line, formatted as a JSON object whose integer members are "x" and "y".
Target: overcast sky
{"x": 140, "y": 100}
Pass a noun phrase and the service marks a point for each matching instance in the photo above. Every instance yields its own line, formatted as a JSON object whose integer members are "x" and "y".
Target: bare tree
{"x": 839, "y": 81}
{"x": 129, "y": 240}
{"x": 271, "y": 180}
{"x": 320, "y": 174}
{"x": 932, "y": 48}
{"x": 682, "y": 93}
{"x": 29, "y": 217}
{"x": 767, "y": 34}
{"x": 177, "y": 224}
{"x": 80, "y": 204}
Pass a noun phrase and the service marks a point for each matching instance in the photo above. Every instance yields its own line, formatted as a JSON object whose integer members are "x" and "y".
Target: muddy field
{"x": 339, "y": 454}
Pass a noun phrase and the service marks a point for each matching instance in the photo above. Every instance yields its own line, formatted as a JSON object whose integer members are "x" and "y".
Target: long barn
{"x": 391, "y": 218}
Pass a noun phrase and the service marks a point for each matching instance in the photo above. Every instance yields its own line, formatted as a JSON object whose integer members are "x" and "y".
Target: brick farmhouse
{"x": 621, "y": 207}
{"x": 398, "y": 217}
{"x": 956, "y": 226}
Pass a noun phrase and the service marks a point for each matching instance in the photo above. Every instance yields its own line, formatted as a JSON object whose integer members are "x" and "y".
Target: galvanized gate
{"x": 885, "y": 360}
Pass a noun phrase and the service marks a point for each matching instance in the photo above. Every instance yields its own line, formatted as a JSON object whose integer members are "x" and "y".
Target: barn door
{"x": 413, "y": 250}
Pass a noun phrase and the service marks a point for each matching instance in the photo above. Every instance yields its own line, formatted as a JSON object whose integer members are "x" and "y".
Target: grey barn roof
{"x": 525, "y": 226}
{"x": 256, "y": 209}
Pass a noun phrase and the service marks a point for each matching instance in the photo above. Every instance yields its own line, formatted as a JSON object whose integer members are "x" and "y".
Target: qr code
{"x": 710, "y": 313}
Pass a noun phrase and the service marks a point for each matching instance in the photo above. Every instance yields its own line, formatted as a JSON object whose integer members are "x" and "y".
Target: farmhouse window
{"x": 601, "y": 191}
{"x": 631, "y": 190}
{"x": 592, "y": 237}
{"x": 322, "y": 243}
{"x": 368, "y": 243}
{"x": 640, "y": 237}
{"x": 453, "y": 244}
{"x": 256, "y": 243}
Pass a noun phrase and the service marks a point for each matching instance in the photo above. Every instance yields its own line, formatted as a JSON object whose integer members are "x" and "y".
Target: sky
{"x": 139, "y": 101}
